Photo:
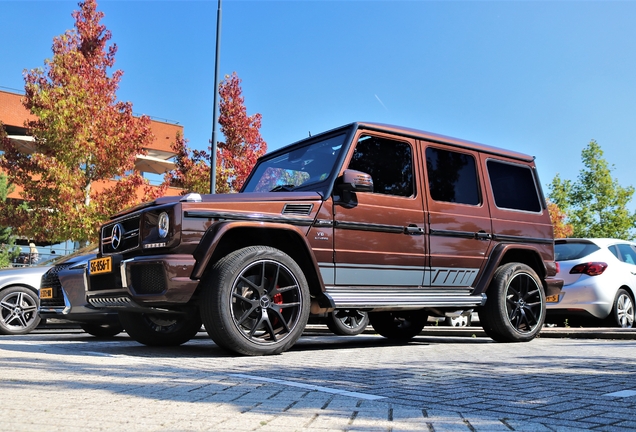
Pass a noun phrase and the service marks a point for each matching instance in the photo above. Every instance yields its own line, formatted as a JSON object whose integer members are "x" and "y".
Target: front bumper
{"x": 70, "y": 300}
{"x": 144, "y": 281}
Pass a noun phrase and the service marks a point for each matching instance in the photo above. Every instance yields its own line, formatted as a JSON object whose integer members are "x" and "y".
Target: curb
{"x": 476, "y": 331}
{"x": 589, "y": 333}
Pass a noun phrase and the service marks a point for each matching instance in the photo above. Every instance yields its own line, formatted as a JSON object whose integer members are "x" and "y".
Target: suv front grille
{"x": 121, "y": 235}
{"x": 50, "y": 279}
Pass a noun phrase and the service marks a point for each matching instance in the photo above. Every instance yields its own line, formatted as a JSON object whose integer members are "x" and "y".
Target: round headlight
{"x": 164, "y": 225}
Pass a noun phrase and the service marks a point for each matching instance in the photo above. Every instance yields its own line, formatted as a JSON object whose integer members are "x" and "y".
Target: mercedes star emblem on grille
{"x": 116, "y": 236}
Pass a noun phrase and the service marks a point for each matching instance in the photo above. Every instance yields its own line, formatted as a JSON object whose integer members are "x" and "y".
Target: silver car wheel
{"x": 625, "y": 310}
{"x": 18, "y": 311}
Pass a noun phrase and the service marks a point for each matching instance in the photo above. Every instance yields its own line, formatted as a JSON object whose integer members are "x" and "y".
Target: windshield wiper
{"x": 284, "y": 188}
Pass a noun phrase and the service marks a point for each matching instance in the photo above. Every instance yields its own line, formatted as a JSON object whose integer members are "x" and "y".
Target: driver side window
{"x": 389, "y": 162}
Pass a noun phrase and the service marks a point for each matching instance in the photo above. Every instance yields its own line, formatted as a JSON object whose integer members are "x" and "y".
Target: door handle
{"x": 413, "y": 229}
{"x": 483, "y": 235}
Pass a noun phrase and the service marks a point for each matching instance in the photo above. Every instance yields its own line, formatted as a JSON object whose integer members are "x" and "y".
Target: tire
{"x": 622, "y": 314}
{"x": 255, "y": 301}
{"x": 160, "y": 329}
{"x": 460, "y": 321}
{"x": 18, "y": 310}
{"x": 104, "y": 330}
{"x": 347, "y": 322}
{"x": 515, "y": 308}
{"x": 400, "y": 326}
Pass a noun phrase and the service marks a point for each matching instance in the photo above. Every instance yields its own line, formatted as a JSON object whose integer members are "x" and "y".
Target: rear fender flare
{"x": 497, "y": 258}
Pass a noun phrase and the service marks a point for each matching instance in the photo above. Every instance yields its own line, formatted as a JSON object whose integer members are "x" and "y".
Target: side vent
{"x": 298, "y": 209}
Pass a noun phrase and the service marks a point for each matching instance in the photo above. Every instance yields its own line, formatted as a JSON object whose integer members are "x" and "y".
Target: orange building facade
{"x": 157, "y": 161}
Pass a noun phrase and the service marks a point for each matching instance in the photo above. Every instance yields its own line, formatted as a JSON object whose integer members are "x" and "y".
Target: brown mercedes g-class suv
{"x": 395, "y": 222}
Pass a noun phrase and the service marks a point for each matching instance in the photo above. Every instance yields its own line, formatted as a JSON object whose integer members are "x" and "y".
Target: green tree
{"x": 595, "y": 204}
{"x": 84, "y": 138}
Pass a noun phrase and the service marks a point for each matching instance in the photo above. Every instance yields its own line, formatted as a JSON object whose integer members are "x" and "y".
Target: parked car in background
{"x": 463, "y": 320}
{"x": 458, "y": 318}
{"x": 19, "y": 299}
{"x": 63, "y": 297}
{"x": 19, "y": 287}
{"x": 599, "y": 280}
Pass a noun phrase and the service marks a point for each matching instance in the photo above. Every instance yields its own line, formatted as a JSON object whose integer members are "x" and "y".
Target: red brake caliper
{"x": 278, "y": 299}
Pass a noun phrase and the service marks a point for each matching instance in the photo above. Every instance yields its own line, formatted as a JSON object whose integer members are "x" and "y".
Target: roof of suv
{"x": 419, "y": 134}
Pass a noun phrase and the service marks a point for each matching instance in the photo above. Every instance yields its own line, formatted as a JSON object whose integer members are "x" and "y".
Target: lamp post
{"x": 214, "y": 108}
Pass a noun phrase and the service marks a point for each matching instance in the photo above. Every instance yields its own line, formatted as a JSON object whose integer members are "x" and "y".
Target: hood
{"x": 26, "y": 276}
{"x": 226, "y": 198}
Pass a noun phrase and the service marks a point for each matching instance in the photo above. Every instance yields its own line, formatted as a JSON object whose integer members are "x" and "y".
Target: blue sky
{"x": 543, "y": 78}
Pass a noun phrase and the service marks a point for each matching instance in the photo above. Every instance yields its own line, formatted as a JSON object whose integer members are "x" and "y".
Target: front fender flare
{"x": 211, "y": 239}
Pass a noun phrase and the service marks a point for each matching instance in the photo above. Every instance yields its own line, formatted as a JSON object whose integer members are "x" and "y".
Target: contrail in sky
{"x": 376, "y": 96}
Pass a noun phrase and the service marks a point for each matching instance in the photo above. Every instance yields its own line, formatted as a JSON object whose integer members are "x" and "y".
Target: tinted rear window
{"x": 573, "y": 250}
{"x": 513, "y": 186}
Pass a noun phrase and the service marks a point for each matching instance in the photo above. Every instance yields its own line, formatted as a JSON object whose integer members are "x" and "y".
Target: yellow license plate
{"x": 552, "y": 299}
{"x": 100, "y": 265}
{"x": 46, "y": 293}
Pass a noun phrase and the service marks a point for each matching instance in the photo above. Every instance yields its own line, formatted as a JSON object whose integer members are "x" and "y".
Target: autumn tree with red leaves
{"x": 192, "y": 169}
{"x": 84, "y": 138}
{"x": 243, "y": 142}
{"x": 235, "y": 157}
{"x": 561, "y": 228}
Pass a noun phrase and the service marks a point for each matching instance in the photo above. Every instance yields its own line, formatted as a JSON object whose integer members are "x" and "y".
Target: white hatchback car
{"x": 599, "y": 280}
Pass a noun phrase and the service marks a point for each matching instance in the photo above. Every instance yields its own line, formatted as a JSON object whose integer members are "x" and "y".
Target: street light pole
{"x": 214, "y": 108}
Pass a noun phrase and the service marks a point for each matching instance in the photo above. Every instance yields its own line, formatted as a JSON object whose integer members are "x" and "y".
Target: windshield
{"x": 299, "y": 167}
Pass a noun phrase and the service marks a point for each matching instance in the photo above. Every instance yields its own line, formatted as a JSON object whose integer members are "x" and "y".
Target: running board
{"x": 402, "y": 298}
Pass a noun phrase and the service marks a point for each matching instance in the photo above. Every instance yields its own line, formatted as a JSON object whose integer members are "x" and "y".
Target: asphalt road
{"x": 441, "y": 381}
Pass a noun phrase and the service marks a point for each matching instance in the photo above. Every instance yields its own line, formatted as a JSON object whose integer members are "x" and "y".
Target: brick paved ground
{"x": 76, "y": 382}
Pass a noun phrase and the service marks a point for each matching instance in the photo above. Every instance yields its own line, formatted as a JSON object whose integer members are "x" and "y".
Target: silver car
{"x": 63, "y": 297}
{"x": 19, "y": 299}
{"x": 19, "y": 293}
{"x": 599, "y": 280}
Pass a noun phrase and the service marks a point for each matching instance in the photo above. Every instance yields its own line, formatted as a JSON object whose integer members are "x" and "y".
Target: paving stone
{"x": 80, "y": 383}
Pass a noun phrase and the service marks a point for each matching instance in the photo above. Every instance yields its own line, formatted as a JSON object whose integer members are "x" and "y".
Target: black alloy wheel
{"x": 515, "y": 309}
{"x": 347, "y": 322}
{"x": 255, "y": 301}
